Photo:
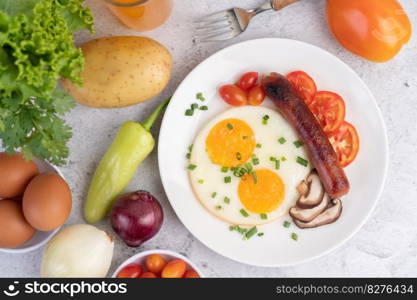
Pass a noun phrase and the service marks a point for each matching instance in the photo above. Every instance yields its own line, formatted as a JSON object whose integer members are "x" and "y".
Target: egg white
{"x": 207, "y": 177}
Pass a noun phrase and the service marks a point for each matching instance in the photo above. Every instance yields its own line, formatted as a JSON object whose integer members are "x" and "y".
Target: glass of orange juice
{"x": 141, "y": 15}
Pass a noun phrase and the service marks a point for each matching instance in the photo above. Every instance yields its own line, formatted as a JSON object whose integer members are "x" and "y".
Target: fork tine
{"x": 214, "y": 26}
{"x": 218, "y": 36}
{"x": 213, "y": 17}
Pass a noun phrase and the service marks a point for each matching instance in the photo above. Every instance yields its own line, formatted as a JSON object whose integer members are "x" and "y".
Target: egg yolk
{"x": 263, "y": 194}
{"x": 230, "y": 143}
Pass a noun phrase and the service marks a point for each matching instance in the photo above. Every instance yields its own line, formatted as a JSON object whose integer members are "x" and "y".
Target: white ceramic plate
{"x": 366, "y": 174}
{"x": 168, "y": 255}
{"x": 41, "y": 237}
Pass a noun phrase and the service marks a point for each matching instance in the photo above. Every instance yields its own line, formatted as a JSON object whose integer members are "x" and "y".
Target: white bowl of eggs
{"x": 35, "y": 201}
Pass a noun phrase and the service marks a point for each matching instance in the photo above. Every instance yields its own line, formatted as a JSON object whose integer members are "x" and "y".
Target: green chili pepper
{"x": 131, "y": 146}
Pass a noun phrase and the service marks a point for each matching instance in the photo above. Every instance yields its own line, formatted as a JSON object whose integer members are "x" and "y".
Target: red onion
{"x": 136, "y": 217}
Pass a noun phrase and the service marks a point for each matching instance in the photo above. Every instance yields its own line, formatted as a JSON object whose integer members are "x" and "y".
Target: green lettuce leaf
{"x": 36, "y": 50}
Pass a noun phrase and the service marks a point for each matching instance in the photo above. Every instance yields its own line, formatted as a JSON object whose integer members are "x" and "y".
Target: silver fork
{"x": 230, "y": 23}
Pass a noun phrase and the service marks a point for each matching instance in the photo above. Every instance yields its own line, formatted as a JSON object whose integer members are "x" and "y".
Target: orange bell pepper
{"x": 373, "y": 29}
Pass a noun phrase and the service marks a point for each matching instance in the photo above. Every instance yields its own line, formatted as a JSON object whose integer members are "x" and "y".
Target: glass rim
{"x": 133, "y": 3}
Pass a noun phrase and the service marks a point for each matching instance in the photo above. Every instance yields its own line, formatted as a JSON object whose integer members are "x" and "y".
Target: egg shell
{"x": 15, "y": 174}
{"x": 47, "y": 202}
{"x": 14, "y": 229}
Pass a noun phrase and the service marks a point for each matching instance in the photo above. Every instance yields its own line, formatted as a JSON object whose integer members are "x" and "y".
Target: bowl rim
{"x": 145, "y": 253}
{"x": 51, "y": 233}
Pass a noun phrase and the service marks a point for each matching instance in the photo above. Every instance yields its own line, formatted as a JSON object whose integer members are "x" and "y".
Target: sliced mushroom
{"x": 302, "y": 188}
{"x": 308, "y": 214}
{"x": 329, "y": 216}
{"x": 315, "y": 192}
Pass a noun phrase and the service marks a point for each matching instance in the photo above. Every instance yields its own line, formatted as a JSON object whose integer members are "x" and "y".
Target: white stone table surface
{"x": 387, "y": 243}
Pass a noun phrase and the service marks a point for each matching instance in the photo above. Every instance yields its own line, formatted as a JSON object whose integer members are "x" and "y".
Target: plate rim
{"x": 384, "y": 136}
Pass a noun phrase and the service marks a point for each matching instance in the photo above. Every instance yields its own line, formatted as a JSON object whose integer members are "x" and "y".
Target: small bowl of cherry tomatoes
{"x": 157, "y": 264}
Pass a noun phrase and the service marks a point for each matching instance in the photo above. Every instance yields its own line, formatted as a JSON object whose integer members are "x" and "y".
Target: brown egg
{"x": 14, "y": 229}
{"x": 15, "y": 174}
{"x": 47, "y": 202}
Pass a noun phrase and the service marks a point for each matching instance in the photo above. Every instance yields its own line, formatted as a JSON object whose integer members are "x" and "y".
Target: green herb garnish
{"x": 213, "y": 195}
{"x": 264, "y": 216}
{"x": 189, "y": 112}
{"x": 283, "y": 158}
{"x": 302, "y": 161}
{"x": 260, "y": 234}
{"x": 286, "y": 224}
{"x": 188, "y": 155}
{"x": 227, "y": 179}
{"x": 230, "y": 126}
{"x": 200, "y": 96}
{"x": 201, "y": 181}
{"x": 218, "y": 207}
{"x": 204, "y": 107}
{"x": 238, "y": 156}
{"x": 265, "y": 119}
{"x": 226, "y": 200}
{"x": 251, "y": 232}
{"x": 224, "y": 169}
{"x": 255, "y": 161}
{"x": 244, "y": 213}
{"x": 282, "y": 140}
{"x": 298, "y": 144}
{"x": 277, "y": 164}
{"x": 294, "y": 236}
{"x": 194, "y": 106}
{"x": 191, "y": 167}
{"x": 258, "y": 145}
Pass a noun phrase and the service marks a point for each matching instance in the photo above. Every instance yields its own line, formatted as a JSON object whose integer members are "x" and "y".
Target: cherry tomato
{"x": 130, "y": 271}
{"x": 174, "y": 269}
{"x": 148, "y": 275}
{"x": 345, "y": 142}
{"x": 233, "y": 95}
{"x": 329, "y": 109}
{"x": 248, "y": 80}
{"x": 373, "y": 29}
{"x": 303, "y": 84}
{"x": 155, "y": 263}
{"x": 191, "y": 274}
{"x": 256, "y": 95}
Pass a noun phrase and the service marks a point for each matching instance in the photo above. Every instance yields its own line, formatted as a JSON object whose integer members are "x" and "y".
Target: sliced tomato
{"x": 248, "y": 80}
{"x": 256, "y": 95}
{"x": 329, "y": 109}
{"x": 233, "y": 95}
{"x": 345, "y": 142}
{"x": 303, "y": 84}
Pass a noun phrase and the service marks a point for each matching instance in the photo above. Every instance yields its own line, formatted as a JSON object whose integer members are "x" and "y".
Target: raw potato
{"x": 121, "y": 71}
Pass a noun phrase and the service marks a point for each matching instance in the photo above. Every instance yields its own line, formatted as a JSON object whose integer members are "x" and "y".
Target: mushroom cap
{"x": 315, "y": 192}
{"x": 308, "y": 214}
{"x": 328, "y": 216}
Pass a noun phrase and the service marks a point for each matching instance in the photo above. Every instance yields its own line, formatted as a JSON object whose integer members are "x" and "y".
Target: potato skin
{"x": 121, "y": 71}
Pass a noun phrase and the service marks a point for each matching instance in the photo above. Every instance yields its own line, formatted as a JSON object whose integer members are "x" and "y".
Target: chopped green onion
{"x": 258, "y": 145}
{"x": 190, "y": 148}
{"x": 201, "y": 181}
{"x": 189, "y": 112}
{"x": 255, "y": 161}
{"x": 227, "y": 179}
{"x": 251, "y": 232}
{"x": 191, "y": 167}
{"x": 224, "y": 169}
{"x": 286, "y": 224}
{"x": 230, "y": 126}
{"x": 260, "y": 234}
{"x": 241, "y": 230}
{"x": 204, "y": 107}
{"x": 238, "y": 156}
{"x": 188, "y": 155}
{"x": 200, "y": 96}
{"x": 244, "y": 213}
{"x": 244, "y": 137}
{"x": 194, "y": 106}
{"x": 218, "y": 207}
{"x": 232, "y": 228}
{"x": 298, "y": 144}
{"x": 294, "y": 236}
{"x": 302, "y": 161}
{"x": 277, "y": 164}
{"x": 265, "y": 119}
{"x": 282, "y": 140}
{"x": 283, "y": 158}
{"x": 264, "y": 216}
{"x": 213, "y": 195}
{"x": 272, "y": 158}
{"x": 226, "y": 200}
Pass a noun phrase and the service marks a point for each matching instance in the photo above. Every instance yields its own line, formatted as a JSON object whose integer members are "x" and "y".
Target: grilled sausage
{"x": 320, "y": 151}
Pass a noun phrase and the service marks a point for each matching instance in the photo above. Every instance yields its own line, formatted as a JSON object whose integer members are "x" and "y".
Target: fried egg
{"x": 245, "y": 165}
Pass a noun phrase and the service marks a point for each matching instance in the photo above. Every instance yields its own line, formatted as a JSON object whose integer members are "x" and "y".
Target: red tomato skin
{"x": 131, "y": 271}
{"x": 148, "y": 275}
{"x": 191, "y": 274}
{"x": 339, "y": 136}
{"x": 334, "y": 100}
{"x": 233, "y": 95}
{"x": 174, "y": 269}
{"x": 303, "y": 84}
{"x": 155, "y": 263}
{"x": 248, "y": 80}
{"x": 256, "y": 95}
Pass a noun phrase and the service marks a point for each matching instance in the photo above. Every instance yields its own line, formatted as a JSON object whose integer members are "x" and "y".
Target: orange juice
{"x": 141, "y": 15}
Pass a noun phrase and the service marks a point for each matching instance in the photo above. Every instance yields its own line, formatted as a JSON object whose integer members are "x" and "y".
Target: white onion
{"x": 78, "y": 251}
